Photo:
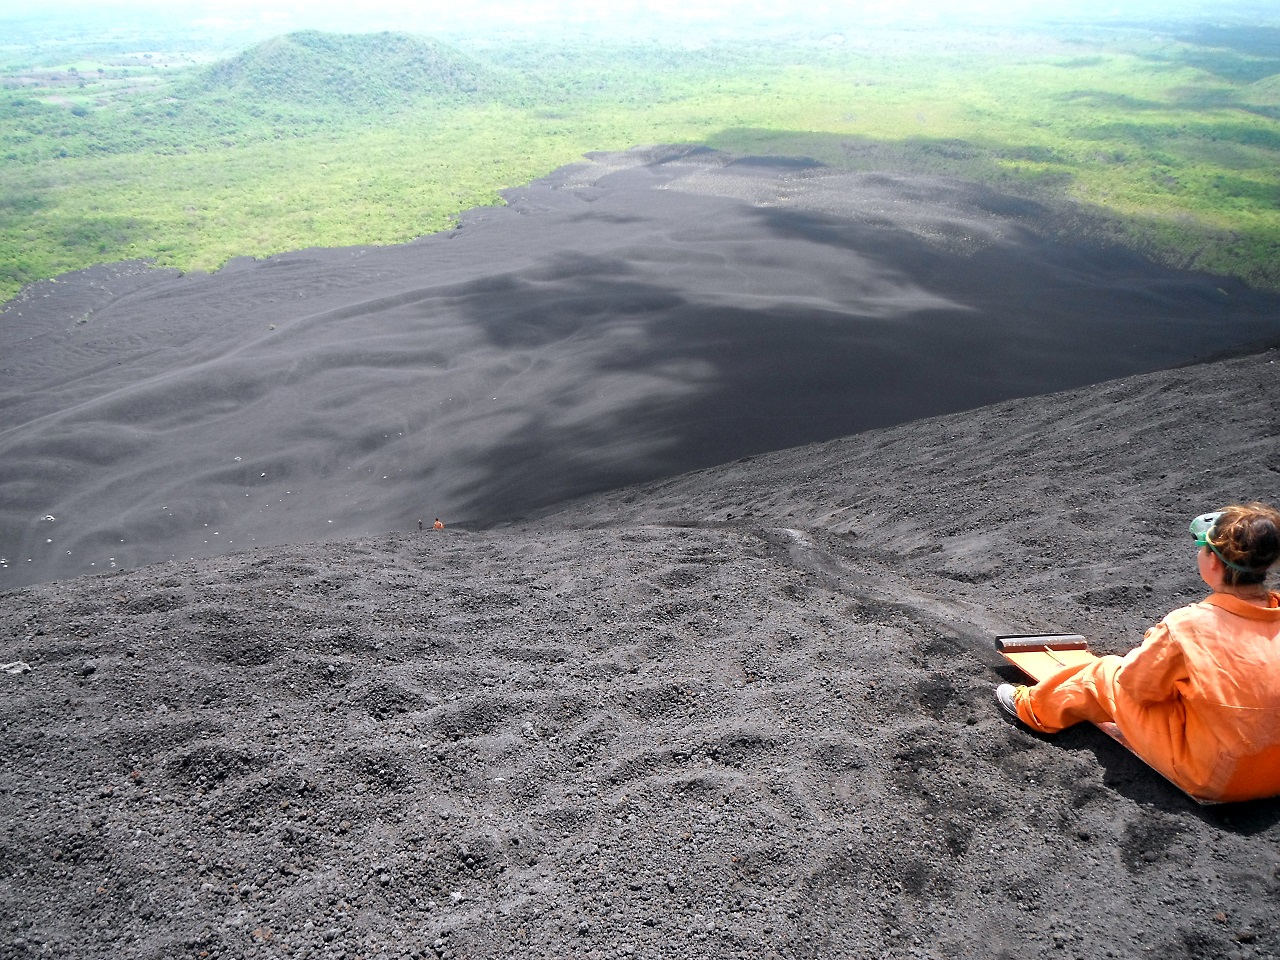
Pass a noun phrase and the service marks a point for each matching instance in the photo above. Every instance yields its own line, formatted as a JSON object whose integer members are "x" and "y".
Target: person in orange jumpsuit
{"x": 438, "y": 525}
{"x": 1199, "y": 700}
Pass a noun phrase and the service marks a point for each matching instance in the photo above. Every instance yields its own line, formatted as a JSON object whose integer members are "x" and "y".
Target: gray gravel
{"x": 744, "y": 713}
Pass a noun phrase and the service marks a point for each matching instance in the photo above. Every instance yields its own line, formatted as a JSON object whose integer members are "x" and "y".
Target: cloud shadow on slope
{"x": 692, "y": 381}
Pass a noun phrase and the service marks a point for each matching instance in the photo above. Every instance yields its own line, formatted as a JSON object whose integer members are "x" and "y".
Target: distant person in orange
{"x": 1200, "y": 699}
{"x": 439, "y": 524}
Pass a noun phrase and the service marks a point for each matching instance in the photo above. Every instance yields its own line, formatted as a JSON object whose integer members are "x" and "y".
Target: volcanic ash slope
{"x": 633, "y": 317}
{"x": 742, "y": 713}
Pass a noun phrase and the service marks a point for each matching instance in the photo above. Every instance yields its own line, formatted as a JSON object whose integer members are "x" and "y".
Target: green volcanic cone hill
{"x": 333, "y": 71}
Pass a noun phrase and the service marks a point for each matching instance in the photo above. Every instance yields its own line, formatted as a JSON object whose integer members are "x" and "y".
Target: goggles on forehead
{"x": 1201, "y": 527}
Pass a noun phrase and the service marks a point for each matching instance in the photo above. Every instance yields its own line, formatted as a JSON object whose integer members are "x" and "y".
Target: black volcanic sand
{"x": 743, "y": 713}
{"x": 632, "y": 317}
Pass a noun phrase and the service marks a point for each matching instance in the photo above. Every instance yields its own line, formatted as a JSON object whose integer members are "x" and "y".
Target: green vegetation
{"x": 1169, "y": 145}
{"x": 382, "y": 71}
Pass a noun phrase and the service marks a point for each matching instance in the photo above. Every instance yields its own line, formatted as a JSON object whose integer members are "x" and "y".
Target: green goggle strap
{"x": 1233, "y": 566}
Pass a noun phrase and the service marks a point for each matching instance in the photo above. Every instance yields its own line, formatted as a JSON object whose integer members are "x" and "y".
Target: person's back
{"x": 1199, "y": 700}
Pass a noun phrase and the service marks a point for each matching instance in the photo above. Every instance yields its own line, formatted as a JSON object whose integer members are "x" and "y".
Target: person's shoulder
{"x": 1192, "y": 612}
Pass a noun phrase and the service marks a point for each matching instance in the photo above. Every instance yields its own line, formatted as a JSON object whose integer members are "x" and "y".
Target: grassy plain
{"x": 1170, "y": 144}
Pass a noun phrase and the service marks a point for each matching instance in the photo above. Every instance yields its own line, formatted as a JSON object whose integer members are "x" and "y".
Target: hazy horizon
{"x": 629, "y": 17}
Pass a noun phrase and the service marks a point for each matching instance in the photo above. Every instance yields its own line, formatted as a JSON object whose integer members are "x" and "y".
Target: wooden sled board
{"x": 1043, "y": 655}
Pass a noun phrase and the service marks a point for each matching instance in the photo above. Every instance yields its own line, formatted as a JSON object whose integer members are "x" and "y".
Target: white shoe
{"x": 1005, "y": 697}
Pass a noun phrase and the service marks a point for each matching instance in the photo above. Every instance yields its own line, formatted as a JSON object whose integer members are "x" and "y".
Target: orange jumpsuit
{"x": 1199, "y": 700}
